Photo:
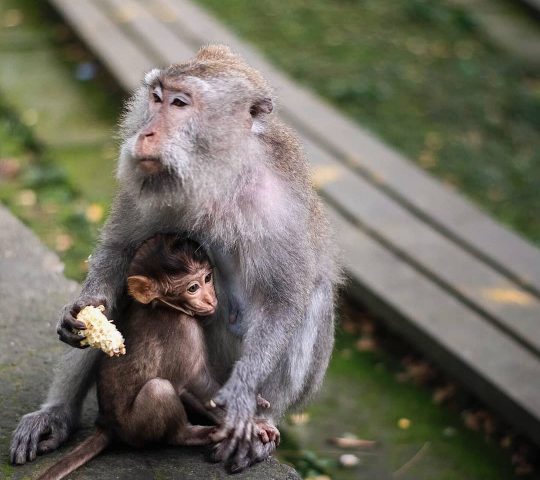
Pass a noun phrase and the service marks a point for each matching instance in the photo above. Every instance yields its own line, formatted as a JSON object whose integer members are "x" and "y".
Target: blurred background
{"x": 453, "y": 85}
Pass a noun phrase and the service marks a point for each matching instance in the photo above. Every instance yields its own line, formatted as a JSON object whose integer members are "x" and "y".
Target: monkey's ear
{"x": 266, "y": 105}
{"x": 142, "y": 288}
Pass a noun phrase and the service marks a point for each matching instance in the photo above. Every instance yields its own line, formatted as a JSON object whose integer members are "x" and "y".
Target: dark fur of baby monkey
{"x": 203, "y": 154}
{"x": 139, "y": 393}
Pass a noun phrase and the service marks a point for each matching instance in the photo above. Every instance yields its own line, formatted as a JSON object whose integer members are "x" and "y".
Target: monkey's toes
{"x": 262, "y": 402}
{"x": 268, "y": 432}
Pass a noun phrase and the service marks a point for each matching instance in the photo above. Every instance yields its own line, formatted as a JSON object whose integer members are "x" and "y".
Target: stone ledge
{"x": 32, "y": 291}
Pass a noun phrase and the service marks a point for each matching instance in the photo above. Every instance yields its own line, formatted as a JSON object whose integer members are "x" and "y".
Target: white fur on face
{"x": 151, "y": 76}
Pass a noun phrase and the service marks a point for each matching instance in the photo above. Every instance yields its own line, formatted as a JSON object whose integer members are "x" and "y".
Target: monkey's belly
{"x": 165, "y": 356}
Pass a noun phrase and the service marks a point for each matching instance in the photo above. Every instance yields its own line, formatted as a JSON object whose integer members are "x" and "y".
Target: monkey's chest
{"x": 170, "y": 350}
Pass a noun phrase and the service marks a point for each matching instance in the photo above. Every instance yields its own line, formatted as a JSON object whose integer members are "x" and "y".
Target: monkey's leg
{"x": 157, "y": 414}
{"x": 296, "y": 377}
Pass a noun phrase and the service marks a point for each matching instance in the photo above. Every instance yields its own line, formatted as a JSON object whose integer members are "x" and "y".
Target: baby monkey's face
{"x": 193, "y": 292}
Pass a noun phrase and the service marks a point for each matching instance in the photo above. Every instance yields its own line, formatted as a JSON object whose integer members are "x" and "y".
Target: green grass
{"x": 422, "y": 76}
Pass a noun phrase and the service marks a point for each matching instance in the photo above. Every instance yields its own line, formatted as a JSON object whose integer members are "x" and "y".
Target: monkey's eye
{"x": 178, "y": 102}
{"x": 193, "y": 288}
{"x": 156, "y": 97}
{"x": 208, "y": 278}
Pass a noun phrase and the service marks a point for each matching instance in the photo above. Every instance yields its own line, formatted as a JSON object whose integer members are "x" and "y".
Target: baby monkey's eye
{"x": 193, "y": 288}
{"x": 208, "y": 278}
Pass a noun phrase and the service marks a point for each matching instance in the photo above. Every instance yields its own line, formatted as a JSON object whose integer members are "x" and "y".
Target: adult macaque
{"x": 204, "y": 155}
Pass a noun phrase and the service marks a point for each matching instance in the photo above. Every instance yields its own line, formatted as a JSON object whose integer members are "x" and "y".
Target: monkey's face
{"x": 196, "y": 292}
{"x": 190, "y": 133}
{"x": 193, "y": 293}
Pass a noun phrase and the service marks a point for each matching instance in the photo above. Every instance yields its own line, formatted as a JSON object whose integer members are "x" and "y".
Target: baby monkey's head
{"x": 174, "y": 271}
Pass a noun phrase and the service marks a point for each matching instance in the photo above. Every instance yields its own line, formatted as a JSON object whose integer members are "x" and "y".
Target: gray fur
{"x": 244, "y": 193}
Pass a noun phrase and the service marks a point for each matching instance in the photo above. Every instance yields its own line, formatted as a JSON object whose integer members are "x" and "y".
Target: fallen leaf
{"x": 12, "y": 18}
{"x": 366, "y": 344}
{"x": 404, "y": 423}
{"x": 352, "y": 442}
{"x": 349, "y": 460}
{"x": 9, "y": 168}
{"x": 27, "y": 198}
{"x": 94, "y": 213}
{"x": 299, "y": 418}
{"x": 443, "y": 394}
{"x": 63, "y": 242}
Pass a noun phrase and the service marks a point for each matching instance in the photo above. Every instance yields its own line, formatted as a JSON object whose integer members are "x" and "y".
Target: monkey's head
{"x": 193, "y": 125}
{"x": 175, "y": 272}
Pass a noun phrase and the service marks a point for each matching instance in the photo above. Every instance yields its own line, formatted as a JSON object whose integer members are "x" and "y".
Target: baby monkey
{"x": 171, "y": 282}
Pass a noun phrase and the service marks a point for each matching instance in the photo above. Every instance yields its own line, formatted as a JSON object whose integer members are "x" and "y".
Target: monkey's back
{"x": 160, "y": 343}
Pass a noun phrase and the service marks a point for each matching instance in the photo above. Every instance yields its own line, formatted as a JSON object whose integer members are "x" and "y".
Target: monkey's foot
{"x": 268, "y": 432}
{"x": 262, "y": 402}
{"x": 247, "y": 453}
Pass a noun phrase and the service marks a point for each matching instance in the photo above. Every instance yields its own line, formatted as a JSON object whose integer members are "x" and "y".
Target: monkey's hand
{"x": 40, "y": 432}
{"x": 68, "y": 319}
{"x": 241, "y": 440}
{"x": 264, "y": 439}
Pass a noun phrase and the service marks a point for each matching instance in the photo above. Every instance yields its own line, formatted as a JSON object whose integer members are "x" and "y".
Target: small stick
{"x": 413, "y": 461}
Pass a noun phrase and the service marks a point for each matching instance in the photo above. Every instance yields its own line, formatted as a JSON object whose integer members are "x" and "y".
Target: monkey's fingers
{"x": 257, "y": 453}
{"x": 85, "y": 301}
{"x": 25, "y": 440}
{"x": 219, "y": 435}
{"x": 268, "y": 431}
{"x": 260, "y": 451}
{"x": 229, "y": 445}
{"x": 56, "y": 436}
{"x": 46, "y": 446}
{"x": 240, "y": 459}
{"x": 69, "y": 323}
{"x": 263, "y": 435}
{"x": 72, "y": 339}
{"x": 17, "y": 452}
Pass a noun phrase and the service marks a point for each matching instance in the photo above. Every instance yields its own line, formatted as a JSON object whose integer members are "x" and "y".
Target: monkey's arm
{"x": 107, "y": 269}
{"x": 273, "y": 315}
{"x": 60, "y": 413}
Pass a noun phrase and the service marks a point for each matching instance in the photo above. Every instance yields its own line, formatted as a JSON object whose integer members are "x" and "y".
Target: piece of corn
{"x": 100, "y": 332}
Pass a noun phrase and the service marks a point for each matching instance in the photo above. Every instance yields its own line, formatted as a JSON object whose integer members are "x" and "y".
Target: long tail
{"x": 88, "y": 449}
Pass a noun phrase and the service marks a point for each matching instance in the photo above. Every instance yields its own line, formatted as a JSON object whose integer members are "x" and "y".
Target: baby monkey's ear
{"x": 142, "y": 289}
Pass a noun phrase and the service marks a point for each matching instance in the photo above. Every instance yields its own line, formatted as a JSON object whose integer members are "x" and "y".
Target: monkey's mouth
{"x": 205, "y": 313}
{"x": 150, "y": 165}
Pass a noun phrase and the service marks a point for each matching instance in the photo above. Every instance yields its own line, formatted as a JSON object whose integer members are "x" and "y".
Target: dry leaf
{"x": 352, "y": 442}
{"x": 366, "y": 344}
{"x": 94, "y": 213}
{"x": 443, "y": 394}
{"x": 27, "y": 198}
{"x": 9, "y": 168}
{"x": 63, "y": 242}
{"x": 404, "y": 423}
{"x": 349, "y": 460}
{"x": 472, "y": 421}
